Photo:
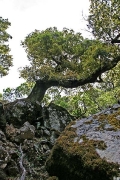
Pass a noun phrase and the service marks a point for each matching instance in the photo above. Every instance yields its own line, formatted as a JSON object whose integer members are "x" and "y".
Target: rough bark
{"x": 38, "y": 91}
{"x": 41, "y": 86}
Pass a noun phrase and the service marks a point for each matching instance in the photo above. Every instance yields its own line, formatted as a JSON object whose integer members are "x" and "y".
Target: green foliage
{"x": 50, "y": 53}
{"x": 88, "y": 100}
{"x": 5, "y": 58}
{"x": 104, "y": 18}
{"x": 85, "y": 100}
{"x": 112, "y": 77}
{"x": 61, "y": 55}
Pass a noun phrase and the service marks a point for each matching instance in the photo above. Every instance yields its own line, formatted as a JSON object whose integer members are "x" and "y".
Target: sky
{"x": 27, "y": 15}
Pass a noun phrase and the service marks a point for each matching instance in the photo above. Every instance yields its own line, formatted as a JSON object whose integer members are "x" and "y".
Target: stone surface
{"x": 2, "y": 117}
{"x": 21, "y": 111}
{"x": 28, "y": 133}
{"x": 2, "y": 175}
{"x": 89, "y": 148}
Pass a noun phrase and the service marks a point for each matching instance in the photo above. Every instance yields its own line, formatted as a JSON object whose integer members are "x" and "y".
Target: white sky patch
{"x": 27, "y": 15}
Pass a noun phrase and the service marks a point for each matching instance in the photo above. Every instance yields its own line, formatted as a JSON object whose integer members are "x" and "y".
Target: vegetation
{"x": 5, "y": 57}
{"x": 104, "y": 20}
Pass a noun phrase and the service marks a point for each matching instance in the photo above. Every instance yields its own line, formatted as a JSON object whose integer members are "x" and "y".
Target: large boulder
{"x": 88, "y": 149}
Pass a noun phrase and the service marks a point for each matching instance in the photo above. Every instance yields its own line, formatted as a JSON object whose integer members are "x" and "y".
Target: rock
{"x": 2, "y": 136}
{"x": 12, "y": 168}
{"x": 2, "y": 117}
{"x": 20, "y": 111}
{"x": 58, "y": 117}
{"x": 4, "y": 157}
{"x": 56, "y": 120}
{"x": 2, "y": 175}
{"x": 53, "y": 178}
{"x": 11, "y": 132}
{"x": 49, "y": 121}
{"x": 89, "y": 148}
{"x": 27, "y": 131}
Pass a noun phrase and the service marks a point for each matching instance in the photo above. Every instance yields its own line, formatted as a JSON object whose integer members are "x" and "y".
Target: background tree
{"x": 104, "y": 19}
{"x": 104, "y": 23}
{"x": 5, "y": 57}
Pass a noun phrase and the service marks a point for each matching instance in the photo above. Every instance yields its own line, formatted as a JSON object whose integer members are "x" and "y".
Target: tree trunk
{"x": 38, "y": 91}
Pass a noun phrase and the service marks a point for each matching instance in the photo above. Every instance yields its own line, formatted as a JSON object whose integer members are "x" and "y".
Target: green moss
{"x": 109, "y": 118}
{"x": 79, "y": 161}
{"x": 112, "y": 119}
{"x": 89, "y": 122}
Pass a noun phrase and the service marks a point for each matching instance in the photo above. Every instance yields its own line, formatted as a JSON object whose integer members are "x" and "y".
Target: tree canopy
{"x": 65, "y": 58}
{"x": 5, "y": 57}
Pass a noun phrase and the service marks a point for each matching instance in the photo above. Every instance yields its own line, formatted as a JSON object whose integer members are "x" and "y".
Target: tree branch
{"x": 41, "y": 86}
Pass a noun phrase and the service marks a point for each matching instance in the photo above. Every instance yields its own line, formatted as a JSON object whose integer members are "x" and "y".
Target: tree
{"x": 104, "y": 19}
{"x": 104, "y": 22}
{"x": 5, "y": 57}
{"x": 66, "y": 59}
{"x": 88, "y": 101}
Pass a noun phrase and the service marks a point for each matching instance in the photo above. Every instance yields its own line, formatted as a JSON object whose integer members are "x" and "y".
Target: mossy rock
{"x": 88, "y": 149}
